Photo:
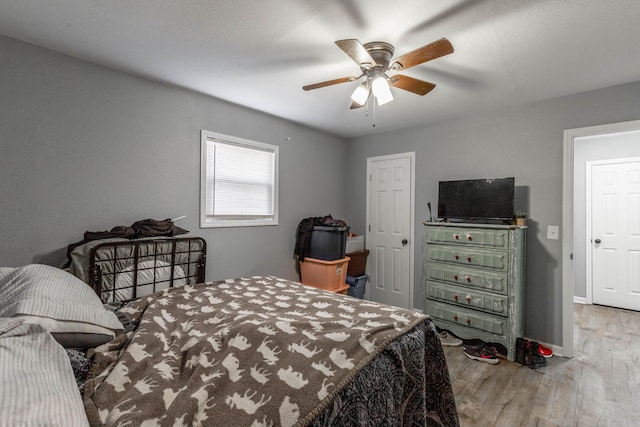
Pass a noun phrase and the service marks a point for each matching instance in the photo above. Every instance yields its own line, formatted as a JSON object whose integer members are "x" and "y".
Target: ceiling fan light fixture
{"x": 381, "y": 90}
{"x": 375, "y": 62}
{"x": 361, "y": 94}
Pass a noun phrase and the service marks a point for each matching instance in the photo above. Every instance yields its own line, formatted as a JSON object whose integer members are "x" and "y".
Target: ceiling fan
{"x": 374, "y": 60}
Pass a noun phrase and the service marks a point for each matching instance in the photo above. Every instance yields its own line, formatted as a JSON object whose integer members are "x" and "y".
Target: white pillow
{"x": 55, "y": 299}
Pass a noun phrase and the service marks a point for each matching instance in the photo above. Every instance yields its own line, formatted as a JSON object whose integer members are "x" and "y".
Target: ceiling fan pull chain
{"x": 366, "y": 107}
{"x": 373, "y": 101}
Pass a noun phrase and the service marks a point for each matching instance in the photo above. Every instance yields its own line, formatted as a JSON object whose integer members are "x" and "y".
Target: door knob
{"x": 598, "y": 241}
{"x": 404, "y": 242}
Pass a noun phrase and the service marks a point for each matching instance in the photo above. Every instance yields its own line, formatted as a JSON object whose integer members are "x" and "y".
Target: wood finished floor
{"x": 600, "y": 386}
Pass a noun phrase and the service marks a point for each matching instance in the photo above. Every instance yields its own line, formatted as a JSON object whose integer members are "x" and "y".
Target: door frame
{"x": 589, "y": 220}
{"x": 412, "y": 193}
{"x": 571, "y": 137}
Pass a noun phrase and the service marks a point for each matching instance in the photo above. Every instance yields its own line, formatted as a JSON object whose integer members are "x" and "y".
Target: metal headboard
{"x": 125, "y": 270}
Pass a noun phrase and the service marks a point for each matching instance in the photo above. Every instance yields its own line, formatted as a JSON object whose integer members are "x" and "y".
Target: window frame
{"x": 210, "y": 221}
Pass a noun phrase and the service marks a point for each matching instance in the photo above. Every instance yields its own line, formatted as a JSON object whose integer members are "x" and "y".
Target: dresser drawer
{"x": 498, "y": 261}
{"x": 496, "y": 304}
{"x": 467, "y": 318}
{"x": 478, "y": 279}
{"x": 469, "y": 237}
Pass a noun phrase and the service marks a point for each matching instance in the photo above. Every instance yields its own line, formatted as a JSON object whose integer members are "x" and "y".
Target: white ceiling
{"x": 259, "y": 53}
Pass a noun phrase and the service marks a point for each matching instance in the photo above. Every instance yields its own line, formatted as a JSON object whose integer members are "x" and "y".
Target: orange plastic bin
{"x": 323, "y": 274}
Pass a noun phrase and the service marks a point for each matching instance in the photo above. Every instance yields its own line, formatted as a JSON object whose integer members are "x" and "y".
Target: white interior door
{"x": 615, "y": 232}
{"x": 390, "y": 231}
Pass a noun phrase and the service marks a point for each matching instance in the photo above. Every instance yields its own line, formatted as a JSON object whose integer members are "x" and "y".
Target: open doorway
{"x": 618, "y": 140}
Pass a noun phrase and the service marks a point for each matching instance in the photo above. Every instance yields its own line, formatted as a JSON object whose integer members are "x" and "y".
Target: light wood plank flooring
{"x": 600, "y": 386}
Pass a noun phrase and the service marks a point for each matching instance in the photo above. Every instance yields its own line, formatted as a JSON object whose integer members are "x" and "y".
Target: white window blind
{"x": 240, "y": 182}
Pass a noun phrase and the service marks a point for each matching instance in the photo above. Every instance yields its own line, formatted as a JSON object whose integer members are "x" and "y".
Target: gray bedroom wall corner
{"x": 85, "y": 147}
{"x": 522, "y": 141}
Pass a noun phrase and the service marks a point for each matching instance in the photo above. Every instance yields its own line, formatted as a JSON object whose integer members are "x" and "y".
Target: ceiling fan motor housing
{"x": 381, "y": 52}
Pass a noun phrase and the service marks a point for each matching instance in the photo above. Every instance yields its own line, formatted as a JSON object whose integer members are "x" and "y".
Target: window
{"x": 238, "y": 182}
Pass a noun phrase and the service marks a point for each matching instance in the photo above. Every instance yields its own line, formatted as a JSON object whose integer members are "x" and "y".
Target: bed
{"x": 255, "y": 351}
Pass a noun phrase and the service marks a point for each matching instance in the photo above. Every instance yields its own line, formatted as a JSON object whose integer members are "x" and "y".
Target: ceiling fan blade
{"x": 422, "y": 54}
{"x": 355, "y": 105}
{"x": 329, "y": 83}
{"x": 416, "y": 86}
{"x": 357, "y": 52}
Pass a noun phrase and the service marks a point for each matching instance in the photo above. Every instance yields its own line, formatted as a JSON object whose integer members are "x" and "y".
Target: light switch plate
{"x": 553, "y": 232}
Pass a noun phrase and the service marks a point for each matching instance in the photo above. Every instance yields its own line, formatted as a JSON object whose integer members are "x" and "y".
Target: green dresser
{"x": 473, "y": 280}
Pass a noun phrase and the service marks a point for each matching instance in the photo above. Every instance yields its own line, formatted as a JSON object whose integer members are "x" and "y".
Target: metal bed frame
{"x": 146, "y": 257}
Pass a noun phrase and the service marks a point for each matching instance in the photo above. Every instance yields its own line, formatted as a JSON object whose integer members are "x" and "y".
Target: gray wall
{"x": 601, "y": 147}
{"x": 522, "y": 141}
{"x": 88, "y": 148}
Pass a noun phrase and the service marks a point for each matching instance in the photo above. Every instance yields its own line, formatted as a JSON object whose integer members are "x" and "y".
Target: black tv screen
{"x": 476, "y": 199}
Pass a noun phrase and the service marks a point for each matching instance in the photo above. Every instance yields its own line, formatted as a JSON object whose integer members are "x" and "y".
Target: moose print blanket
{"x": 257, "y": 351}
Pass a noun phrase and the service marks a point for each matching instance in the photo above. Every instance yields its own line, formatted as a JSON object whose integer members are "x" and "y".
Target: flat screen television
{"x": 476, "y": 199}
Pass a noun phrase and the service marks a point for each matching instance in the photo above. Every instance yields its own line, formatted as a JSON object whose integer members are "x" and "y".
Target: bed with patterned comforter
{"x": 264, "y": 351}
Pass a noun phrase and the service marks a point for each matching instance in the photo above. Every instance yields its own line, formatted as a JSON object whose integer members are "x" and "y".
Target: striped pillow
{"x": 49, "y": 296}
{"x": 37, "y": 386}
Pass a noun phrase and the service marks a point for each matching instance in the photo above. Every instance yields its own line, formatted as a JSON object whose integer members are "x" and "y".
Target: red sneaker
{"x": 545, "y": 351}
{"x": 482, "y": 353}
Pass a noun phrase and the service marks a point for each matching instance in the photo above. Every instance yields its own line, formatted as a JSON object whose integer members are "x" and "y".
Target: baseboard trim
{"x": 579, "y": 300}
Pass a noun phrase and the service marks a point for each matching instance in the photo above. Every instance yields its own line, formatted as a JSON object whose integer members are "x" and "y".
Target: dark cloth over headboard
{"x": 137, "y": 230}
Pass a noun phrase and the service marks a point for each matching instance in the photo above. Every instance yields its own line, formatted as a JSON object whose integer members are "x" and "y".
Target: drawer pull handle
{"x": 457, "y": 256}
{"x": 469, "y": 237}
{"x": 468, "y": 321}
{"x": 455, "y": 277}
{"x": 455, "y": 236}
{"x": 468, "y": 279}
{"x": 455, "y": 297}
{"x": 468, "y": 298}
{"x": 455, "y": 317}
{"x": 469, "y": 258}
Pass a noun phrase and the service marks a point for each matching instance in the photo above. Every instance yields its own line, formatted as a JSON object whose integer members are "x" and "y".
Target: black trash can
{"x": 328, "y": 243}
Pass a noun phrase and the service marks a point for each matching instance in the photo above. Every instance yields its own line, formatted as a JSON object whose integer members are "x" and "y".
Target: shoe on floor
{"x": 545, "y": 351}
{"x": 447, "y": 339}
{"x": 534, "y": 360}
{"x": 489, "y": 349}
{"x": 482, "y": 353}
